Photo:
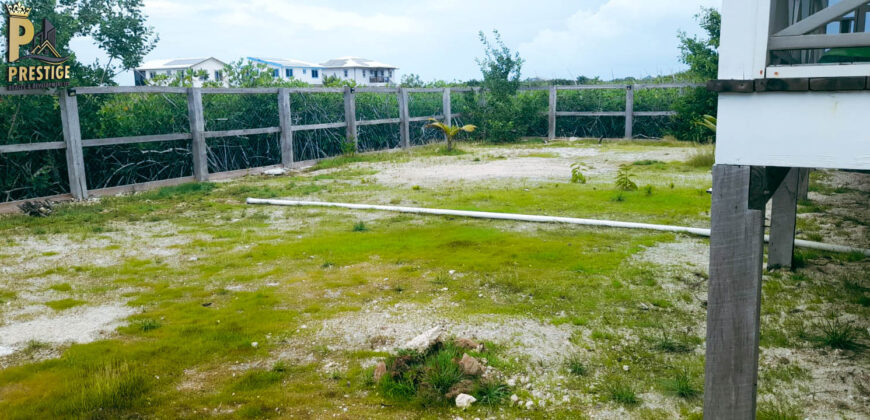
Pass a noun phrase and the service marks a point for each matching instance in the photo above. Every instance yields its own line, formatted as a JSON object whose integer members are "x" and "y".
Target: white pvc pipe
{"x": 543, "y": 219}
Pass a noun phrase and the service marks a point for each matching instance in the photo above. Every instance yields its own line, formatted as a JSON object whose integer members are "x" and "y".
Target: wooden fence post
{"x": 72, "y": 136}
{"x": 445, "y": 109}
{"x": 199, "y": 148}
{"x": 552, "y": 115}
{"x": 629, "y": 111}
{"x": 286, "y": 121}
{"x": 404, "y": 117}
{"x": 783, "y": 215}
{"x": 350, "y": 115}
{"x": 734, "y": 296}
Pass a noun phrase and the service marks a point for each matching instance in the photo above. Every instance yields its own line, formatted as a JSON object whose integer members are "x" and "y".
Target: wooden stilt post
{"x": 445, "y": 109}
{"x": 350, "y": 115}
{"x": 629, "y": 112}
{"x": 804, "y": 184}
{"x": 734, "y": 300}
{"x": 551, "y": 135}
{"x": 404, "y": 117}
{"x": 72, "y": 136}
{"x": 286, "y": 121}
{"x": 780, "y": 252}
{"x": 199, "y": 148}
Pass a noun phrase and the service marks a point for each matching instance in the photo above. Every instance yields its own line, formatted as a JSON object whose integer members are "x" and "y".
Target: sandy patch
{"x": 78, "y": 325}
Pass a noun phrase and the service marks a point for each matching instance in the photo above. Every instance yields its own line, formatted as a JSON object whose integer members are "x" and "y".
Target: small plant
{"x": 624, "y": 179}
{"x": 668, "y": 344}
{"x": 619, "y": 197}
{"x": 620, "y": 391}
{"x": 838, "y": 334}
{"x": 60, "y": 305}
{"x": 148, "y": 324}
{"x": 682, "y": 385}
{"x": 648, "y": 190}
{"x": 491, "y": 393}
{"x": 708, "y": 121}
{"x": 62, "y": 287}
{"x": 778, "y": 410}
{"x": 702, "y": 158}
{"x": 280, "y": 367}
{"x": 348, "y": 147}
{"x": 360, "y": 227}
{"x": 577, "y": 176}
{"x": 450, "y": 131}
{"x": 576, "y": 366}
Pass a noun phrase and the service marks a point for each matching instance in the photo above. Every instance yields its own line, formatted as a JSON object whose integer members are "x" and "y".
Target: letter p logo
{"x": 20, "y": 33}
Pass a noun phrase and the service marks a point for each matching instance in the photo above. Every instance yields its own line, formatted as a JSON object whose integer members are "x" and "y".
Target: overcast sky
{"x": 436, "y": 39}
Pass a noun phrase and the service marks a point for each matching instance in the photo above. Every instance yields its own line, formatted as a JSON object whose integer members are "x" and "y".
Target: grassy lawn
{"x": 255, "y": 312}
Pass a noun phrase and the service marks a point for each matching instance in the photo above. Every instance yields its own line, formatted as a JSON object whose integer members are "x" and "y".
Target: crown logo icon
{"x": 18, "y": 9}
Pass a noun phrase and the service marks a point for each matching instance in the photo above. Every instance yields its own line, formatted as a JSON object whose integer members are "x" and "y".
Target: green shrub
{"x": 577, "y": 176}
{"x": 625, "y": 179}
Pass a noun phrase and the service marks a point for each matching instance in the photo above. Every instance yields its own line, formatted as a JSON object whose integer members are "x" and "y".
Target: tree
{"x": 702, "y": 57}
{"x": 500, "y": 119}
{"x": 118, "y": 27}
{"x": 412, "y": 80}
{"x": 450, "y": 131}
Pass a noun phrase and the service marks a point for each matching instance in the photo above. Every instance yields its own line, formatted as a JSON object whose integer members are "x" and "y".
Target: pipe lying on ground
{"x": 542, "y": 219}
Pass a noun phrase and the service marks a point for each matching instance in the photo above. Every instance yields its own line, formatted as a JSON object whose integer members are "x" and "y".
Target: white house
{"x": 363, "y": 71}
{"x": 213, "y": 67}
{"x": 288, "y": 68}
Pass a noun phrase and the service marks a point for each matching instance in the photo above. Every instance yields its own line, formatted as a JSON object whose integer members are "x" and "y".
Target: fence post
{"x": 350, "y": 114}
{"x": 629, "y": 111}
{"x": 199, "y": 149}
{"x": 404, "y": 117}
{"x": 445, "y": 109}
{"x": 72, "y": 135}
{"x": 286, "y": 121}
{"x": 552, "y": 116}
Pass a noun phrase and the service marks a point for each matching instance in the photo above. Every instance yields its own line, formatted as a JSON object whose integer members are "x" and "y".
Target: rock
{"x": 423, "y": 341}
{"x": 514, "y": 398}
{"x": 275, "y": 172}
{"x": 380, "y": 371}
{"x": 462, "y": 387}
{"x": 468, "y": 344}
{"x": 464, "y": 401}
{"x": 255, "y": 344}
{"x": 470, "y": 366}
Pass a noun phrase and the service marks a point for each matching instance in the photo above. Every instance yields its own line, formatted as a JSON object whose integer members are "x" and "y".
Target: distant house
{"x": 363, "y": 71}
{"x": 214, "y": 69}
{"x": 287, "y": 69}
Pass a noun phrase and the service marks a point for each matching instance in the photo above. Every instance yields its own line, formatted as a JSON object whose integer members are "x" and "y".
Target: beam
{"x": 821, "y": 18}
{"x": 806, "y": 42}
{"x": 72, "y": 135}
{"x": 734, "y": 297}
{"x": 199, "y": 148}
{"x": 783, "y": 216}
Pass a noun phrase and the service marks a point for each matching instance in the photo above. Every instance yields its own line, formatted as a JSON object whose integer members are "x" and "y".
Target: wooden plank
{"x": 136, "y": 139}
{"x": 445, "y": 108}
{"x": 243, "y": 132}
{"x": 325, "y": 126}
{"x": 199, "y": 148}
{"x": 734, "y": 297}
{"x": 805, "y": 42}
{"x": 551, "y": 118}
{"x": 317, "y": 90}
{"x": 404, "y": 117}
{"x": 590, "y": 114}
{"x": 11, "y": 207}
{"x": 427, "y": 118}
{"x": 782, "y": 85}
{"x": 821, "y": 18}
{"x": 102, "y": 90}
{"x": 839, "y": 84}
{"x": 731, "y": 86}
{"x": 655, "y": 113}
{"x": 144, "y": 186}
{"x": 286, "y": 121}
{"x": 72, "y": 134}
{"x": 783, "y": 216}
{"x": 590, "y": 87}
{"x": 804, "y": 184}
{"x": 820, "y": 70}
{"x": 26, "y": 92}
{"x": 668, "y": 86}
{"x": 376, "y": 90}
{"x": 32, "y": 147}
{"x": 629, "y": 112}
{"x": 220, "y": 176}
{"x": 239, "y": 91}
{"x": 533, "y": 89}
{"x": 423, "y": 90}
{"x": 350, "y": 116}
{"x": 381, "y": 121}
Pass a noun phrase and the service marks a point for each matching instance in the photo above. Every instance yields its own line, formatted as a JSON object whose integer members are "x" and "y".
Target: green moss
{"x": 60, "y": 305}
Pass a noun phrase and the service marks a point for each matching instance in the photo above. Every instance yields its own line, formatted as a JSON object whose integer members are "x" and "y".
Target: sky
{"x": 436, "y": 39}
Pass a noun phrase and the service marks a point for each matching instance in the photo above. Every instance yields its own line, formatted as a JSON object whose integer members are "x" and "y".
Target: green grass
{"x": 620, "y": 391}
{"x": 702, "y": 158}
{"x": 838, "y": 334}
{"x": 576, "y": 366}
{"x": 62, "y": 287}
{"x": 682, "y": 384}
{"x": 63, "y": 304}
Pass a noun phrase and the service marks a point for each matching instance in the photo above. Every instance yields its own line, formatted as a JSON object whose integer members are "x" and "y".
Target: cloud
{"x": 635, "y": 37}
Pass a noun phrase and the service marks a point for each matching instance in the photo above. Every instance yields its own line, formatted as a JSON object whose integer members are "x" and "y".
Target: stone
{"x": 380, "y": 371}
{"x": 463, "y": 387}
{"x": 275, "y": 172}
{"x": 464, "y": 401}
{"x": 423, "y": 341}
{"x": 470, "y": 366}
{"x": 468, "y": 344}
{"x": 514, "y": 398}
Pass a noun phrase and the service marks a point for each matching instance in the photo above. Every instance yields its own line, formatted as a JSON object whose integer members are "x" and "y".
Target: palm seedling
{"x": 450, "y": 131}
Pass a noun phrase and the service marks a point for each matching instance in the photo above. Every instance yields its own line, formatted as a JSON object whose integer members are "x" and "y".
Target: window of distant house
{"x": 276, "y": 74}
{"x": 289, "y": 73}
{"x": 152, "y": 75}
{"x": 364, "y": 73}
{"x": 345, "y": 73}
{"x": 315, "y": 74}
{"x": 305, "y": 71}
{"x": 218, "y": 76}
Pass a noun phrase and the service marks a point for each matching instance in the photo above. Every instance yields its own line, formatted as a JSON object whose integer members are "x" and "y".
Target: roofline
{"x": 180, "y": 66}
{"x": 260, "y": 60}
{"x": 359, "y": 67}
